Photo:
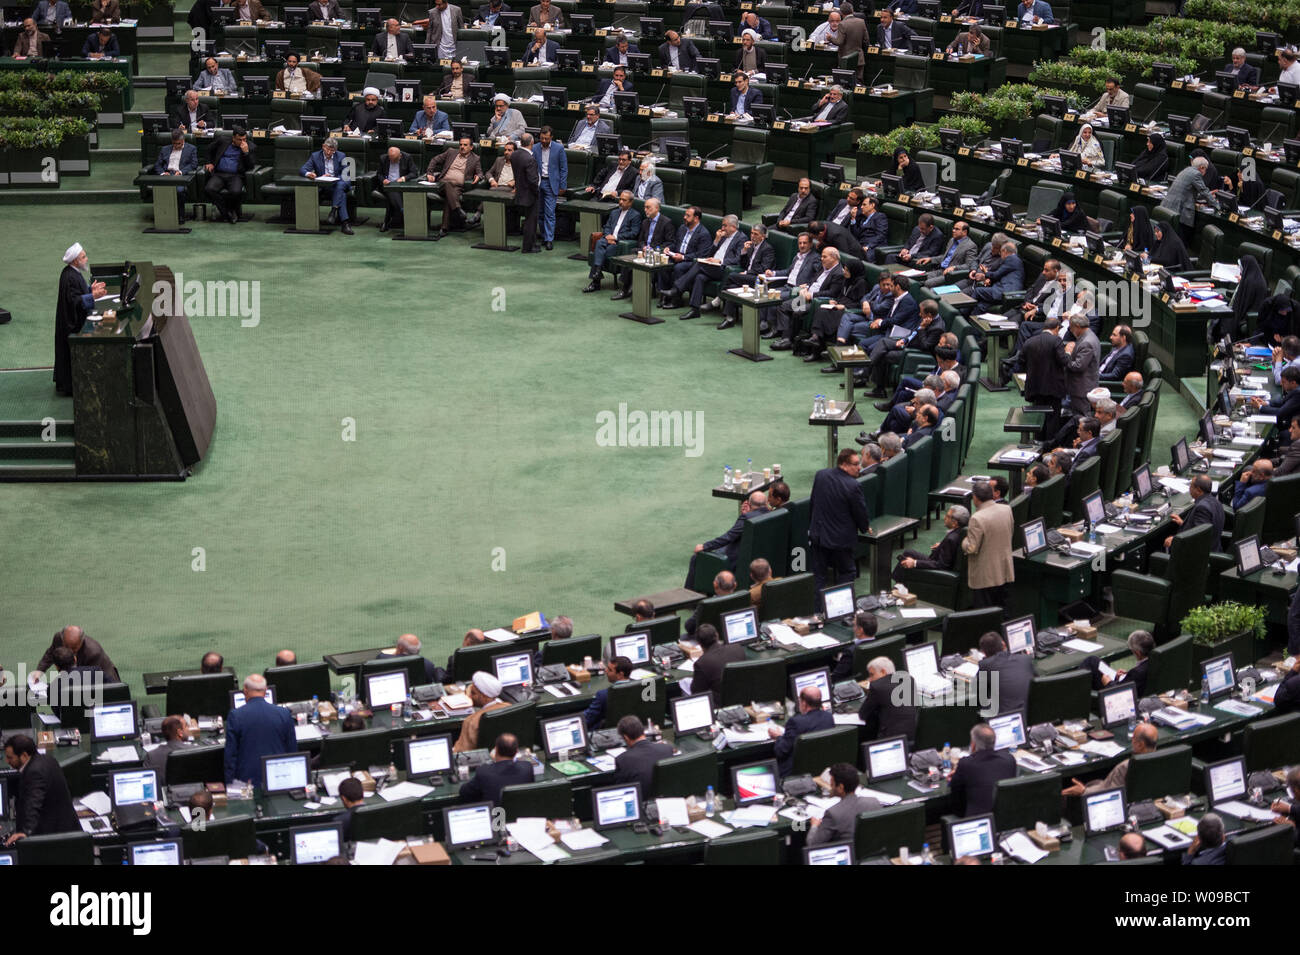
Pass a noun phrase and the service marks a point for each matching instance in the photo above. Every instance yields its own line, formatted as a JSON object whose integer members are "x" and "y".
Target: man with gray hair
{"x": 328, "y": 162}
{"x": 729, "y": 543}
{"x": 86, "y": 652}
{"x": 648, "y": 185}
{"x": 256, "y": 729}
{"x": 1105, "y": 411}
{"x": 889, "y": 709}
{"x": 757, "y": 257}
{"x": 1209, "y": 847}
{"x": 561, "y": 627}
{"x": 724, "y": 582}
{"x": 1246, "y": 74}
{"x": 989, "y": 256}
{"x": 871, "y": 455}
{"x": 943, "y": 553}
{"x": 726, "y": 252}
{"x": 891, "y": 445}
{"x": 976, "y": 777}
{"x": 829, "y": 283}
{"x": 408, "y": 645}
{"x": 831, "y": 108}
{"x": 1185, "y": 191}
{"x": 1083, "y": 356}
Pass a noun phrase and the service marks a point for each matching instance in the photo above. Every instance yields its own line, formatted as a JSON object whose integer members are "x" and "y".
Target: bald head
{"x": 73, "y": 637}
{"x": 724, "y": 582}
{"x": 408, "y": 644}
{"x": 254, "y": 685}
{"x": 1144, "y": 738}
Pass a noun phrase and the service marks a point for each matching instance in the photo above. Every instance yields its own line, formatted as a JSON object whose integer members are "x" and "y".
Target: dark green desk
{"x": 415, "y": 209}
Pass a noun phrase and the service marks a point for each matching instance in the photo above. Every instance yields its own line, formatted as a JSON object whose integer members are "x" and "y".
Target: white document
{"x": 1019, "y": 456}
{"x": 909, "y": 273}
{"x": 1070, "y": 759}
{"x": 1178, "y": 485}
{"x": 916, "y": 613}
{"x": 331, "y": 781}
{"x": 1102, "y": 747}
{"x": 120, "y": 754}
{"x": 500, "y": 635}
{"x": 1107, "y": 529}
{"x": 1031, "y": 762}
{"x": 1105, "y": 669}
{"x": 98, "y": 803}
{"x": 735, "y": 737}
{"x": 603, "y": 763}
{"x": 530, "y": 833}
{"x": 1225, "y": 272}
{"x": 380, "y": 852}
{"x": 1083, "y": 646}
{"x": 555, "y": 691}
{"x": 406, "y": 790}
{"x": 817, "y": 641}
{"x": 749, "y": 816}
{"x": 640, "y": 673}
{"x": 967, "y": 670}
{"x": 583, "y": 839}
{"x": 1020, "y": 846}
{"x": 848, "y": 719}
{"x": 672, "y": 810}
{"x": 1242, "y": 811}
{"x": 885, "y": 799}
{"x": 306, "y": 731}
{"x": 710, "y": 829}
{"x": 1237, "y": 708}
{"x": 1168, "y": 837}
{"x": 1262, "y": 418}
{"x": 687, "y": 665}
{"x": 783, "y": 634}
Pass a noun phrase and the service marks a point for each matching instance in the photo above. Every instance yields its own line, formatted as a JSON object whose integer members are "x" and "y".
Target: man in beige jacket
{"x": 989, "y": 566}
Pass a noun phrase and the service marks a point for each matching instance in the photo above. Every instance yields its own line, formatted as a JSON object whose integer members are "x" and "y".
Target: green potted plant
{"x": 156, "y": 18}
{"x": 1227, "y": 627}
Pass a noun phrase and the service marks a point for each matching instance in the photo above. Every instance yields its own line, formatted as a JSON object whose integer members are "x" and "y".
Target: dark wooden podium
{"x": 142, "y": 407}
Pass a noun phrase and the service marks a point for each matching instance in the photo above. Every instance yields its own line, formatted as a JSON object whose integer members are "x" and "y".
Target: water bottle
{"x": 1092, "y": 533}
{"x": 314, "y": 716}
{"x": 1205, "y": 691}
{"x": 726, "y": 476}
{"x": 749, "y": 466}
{"x": 710, "y": 803}
{"x": 1132, "y": 724}
{"x": 947, "y": 757}
{"x": 927, "y": 857}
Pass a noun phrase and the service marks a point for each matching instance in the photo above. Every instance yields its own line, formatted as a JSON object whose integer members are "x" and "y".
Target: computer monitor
{"x": 1124, "y": 173}
{"x": 514, "y": 669}
{"x": 1055, "y": 106}
{"x": 386, "y": 688}
{"x": 1001, "y": 210}
{"x": 1117, "y": 704}
{"x": 177, "y": 86}
{"x": 1012, "y": 148}
{"x": 740, "y": 626}
{"x": 257, "y": 86}
{"x": 1104, "y": 810}
{"x": 563, "y": 734}
{"x": 312, "y": 845}
{"x": 1225, "y": 780}
{"x": 479, "y": 92}
{"x": 315, "y": 126}
{"x": 829, "y": 853}
{"x": 461, "y": 130}
{"x": 679, "y": 153}
{"x": 1117, "y": 117}
{"x": 1141, "y": 483}
{"x": 754, "y": 782}
{"x": 885, "y": 758}
{"x": 1287, "y": 93}
{"x": 386, "y": 129}
{"x": 1094, "y": 508}
{"x": 131, "y": 787}
{"x": 763, "y": 115}
{"x": 237, "y": 699}
{"x": 1071, "y": 162}
{"x": 1182, "y": 457}
{"x": 496, "y": 56}
{"x": 158, "y": 852}
{"x": 555, "y": 97}
{"x": 819, "y": 678}
{"x": 608, "y": 144}
{"x": 1009, "y": 729}
{"x": 972, "y": 836}
{"x": 928, "y": 9}
{"x": 114, "y": 721}
{"x": 467, "y": 826}
{"x": 332, "y": 88}
{"x": 423, "y": 54}
{"x": 582, "y": 24}
{"x": 695, "y": 108}
{"x": 568, "y": 61}
{"x": 1096, "y": 242}
{"x": 616, "y": 806}
{"x": 1162, "y": 74}
{"x": 949, "y": 197}
{"x": 1133, "y": 262}
{"x": 1051, "y": 225}
{"x": 273, "y": 50}
{"x": 995, "y": 15}
{"x": 8, "y": 858}
{"x": 369, "y": 18}
{"x": 638, "y": 64}
{"x": 779, "y": 73}
{"x": 285, "y": 772}
{"x": 832, "y": 174}
{"x": 625, "y": 103}
{"x": 891, "y": 186}
{"x": 838, "y": 602}
{"x": 650, "y": 28}
{"x": 512, "y": 21}
{"x": 634, "y": 646}
{"x": 1238, "y": 138}
{"x": 1179, "y": 125}
{"x": 1267, "y": 42}
{"x": 351, "y": 51}
{"x": 721, "y": 31}
{"x": 427, "y": 756}
{"x": 1035, "y": 536}
{"x": 922, "y": 660}
{"x": 1248, "y": 559}
{"x": 692, "y": 713}
{"x": 949, "y": 139}
{"x": 1273, "y": 218}
{"x": 919, "y": 45}
{"x": 294, "y": 16}
{"x": 708, "y": 67}
{"x": 1019, "y": 634}
{"x": 1225, "y": 81}
{"x": 1219, "y": 675}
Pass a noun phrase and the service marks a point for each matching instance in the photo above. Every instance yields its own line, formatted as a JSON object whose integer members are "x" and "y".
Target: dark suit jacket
{"x": 316, "y": 163}
{"x": 901, "y": 33}
{"x": 698, "y": 244}
{"x": 603, "y": 87}
{"x": 530, "y": 52}
{"x": 324, "y": 10}
{"x": 663, "y": 233}
{"x": 796, "y": 726}
{"x": 180, "y": 115}
{"x": 1138, "y": 677}
{"x": 1014, "y": 671}
{"x": 92, "y": 45}
{"x": 844, "y": 240}
{"x": 256, "y": 729}
{"x": 1287, "y": 697}
{"x": 90, "y": 655}
{"x": 839, "y": 112}
{"x": 809, "y": 269}
{"x": 1247, "y": 76}
{"x": 636, "y": 764}
{"x": 687, "y": 54}
{"x": 631, "y": 224}
{"x": 840, "y": 821}
{"x": 439, "y": 164}
{"x": 943, "y": 557}
{"x": 1206, "y": 510}
{"x": 1117, "y": 363}
{"x": 43, "y": 804}
{"x": 189, "y": 159}
{"x": 931, "y": 245}
{"x": 432, "y": 672}
{"x": 247, "y": 160}
{"x": 757, "y": 260}
{"x": 707, "y": 676}
{"x": 874, "y": 231}
{"x": 1044, "y": 356}
{"x": 625, "y": 181}
{"x": 837, "y": 510}
{"x": 753, "y": 96}
{"x": 880, "y": 714}
{"x": 1008, "y": 274}
{"x": 800, "y": 211}
{"x": 611, "y": 53}
{"x": 975, "y": 780}
{"x": 380, "y": 46}
{"x": 1286, "y": 407}
{"x": 406, "y": 169}
{"x": 491, "y": 777}
{"x": 527, "y": 178}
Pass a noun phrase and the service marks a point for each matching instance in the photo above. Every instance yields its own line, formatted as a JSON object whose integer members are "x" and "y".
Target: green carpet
{"x": 475, "y": 430}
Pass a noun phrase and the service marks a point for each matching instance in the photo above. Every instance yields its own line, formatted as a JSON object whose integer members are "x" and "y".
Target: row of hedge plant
{"x": 34, "y": 132}
{"x": 922, "y": 136}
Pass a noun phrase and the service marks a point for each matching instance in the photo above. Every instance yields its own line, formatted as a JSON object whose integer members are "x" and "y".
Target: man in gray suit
{"x": 853, "y": 35}
{"x": 1014, "y": 671}
{"x": 444, "y": 20}
{"x": 956, "y": 260}
{"x": 840, "y": 821}
{"x": 1082, "y": 362}
{"x": 1188, "y": 186}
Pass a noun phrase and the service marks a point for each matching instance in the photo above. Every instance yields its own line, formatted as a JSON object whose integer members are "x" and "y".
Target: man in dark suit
{"x": 927, "y": 418}
{"x": 617, "y": 670}
{"x": 408, "y": 645}
{"x": 606, "y": 88}
{"x": 609, "y": 184}
{"x": 1209, "y": 847}
{"x": 502, "y": 771}
{"x": 810, "y": 718}
{"x": 1206, "y": 509}
{"x": 724, "y": 256}
{"x": 889, "y": 709}
{"x": 1246, "y": 74}
{"x": 1014, "y": 671}
{"x": 488, "y": 12}
{"x": 541, "y": 51}
{"x": 229, "y": 158}
{"x": 553, "y": 168}
{"x": 100, "y": 43}
{"x": 804, "y": 268}
{"x": 891, "y": 34}
{"x": 831, "y": 108}
{"x": 902, "y": 313}
{"x": 656, "y": 233}
{"x": 756, "y": 258}
{"x": 173, "y": 738}
{"x": 352, "y": 795}
{"x": 324, "y": 10}
{"x": 1287, "y": 406}
{"x": 636, "y": 764}
{"x": 617, "y": 54}
{"x": 527, "y": 185}
{"x": 840, "y": 821}
{"x": 845, "y": 211}
{"x": 729, "y": 542}
{"x": 1044, "y": 357}
{"x": 837, "y": 513}
{"x": 329, "y": 161}
{"x": 256, "y": 729}
{"x": 1119, "y": 360}
{"x": 800, "y": 209}
{"x": 678, "y": 52}
{"x": 709, "y": 665}
{"x": 86, "y": 653}
{"x": 943, "y": 555}
{"x": 874, "y": 229}
{"x": 1007, "y": 274}
{"x": 621, "y": 225}
{"x": 396, "y": 166}
{"x": 43, "y": 804}
{"x": 391, "y": 42}
{"x": 749, "y": 20}
{"x": 828, "y": 283}
{"x": 190, "y": 115}
{"x": 975, "y": 779}
{"x": 923, "y": 246}
{"x": 1140, "y": 644}
{"x": 1088, "y": 441}
{"x": 588, "y": 128}
{"x": 692, "y": 241}
{"x": 837, "y": 237}
{"x": 743, "y": 96}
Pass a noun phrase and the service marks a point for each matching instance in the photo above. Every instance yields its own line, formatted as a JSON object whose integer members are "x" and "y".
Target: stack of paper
{"x": 382, "y": 852}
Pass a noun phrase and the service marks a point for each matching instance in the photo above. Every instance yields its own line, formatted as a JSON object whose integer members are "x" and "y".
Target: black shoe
{"x": 814, "y": 357}
{"x": 727, "y": 323}
{"x": 693, "y": 313}
{"x": 771, "y": 334}
{"x": 863, "y": 439}
{"x": 670, "y": 298}
{"x": 333, "y": 217}
{"x": 620, "y": 295}
{"x": 882, "y": 405}
{"x": 593, "y": 286}
{"x": 764, "y": 329}
{"x": 347, "y": 227}
{"x": 548, "y": 247}
{"x": 385, "y": 226}
{"x": 782, "y": 344}
{"x": 873, "y": 393}
{"x": 232, "y": 218}
{"x": 830, "y": 370}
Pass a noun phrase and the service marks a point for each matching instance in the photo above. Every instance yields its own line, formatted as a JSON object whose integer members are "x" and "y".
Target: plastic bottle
{"x": 927, "y": 857}
{"x": 710, "y": 803}
{"x": 1132, "y": 724}
{"x": 1092, "y": 533}
{"x": 749, "y": 466}
{"x": 1205, "y": 691}
{"x": 314, "y": 716}
{"x": 947, "y": 757}
{"x": 727, "y": 477}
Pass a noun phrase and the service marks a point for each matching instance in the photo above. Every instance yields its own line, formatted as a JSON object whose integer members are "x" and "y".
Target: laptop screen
{"x": 740, "y": 626}
{"x": 1248, "y": 559}
{"x": 428, "y": 755}
{"x": 922, "y": 660}
{"x": 616, "y": 805}
{"x": 755, "y": 782}
{"x": 692, "y": 713}
{"x": 514, "y": 669}
{"x": 820, "y": 678}
{"x": 155, "y": 853}
{"x": 237, "y": 699}
{"x": 1141, "y": 482}
{"x": 834, "y": 853}
{"x": 385, "y": 689}
{"x": 1009, "y": 728}
{"x": 1095, "y": 508}
{"x": 283, "y": 773}
{"x": 133, "y": 786}
{"x": 1118, "y": 705}
{"x": 1220, "y": 675}
{"x": 114, "y": 721}
{"x": 1035, "y": 536}
{"x": 1182, "y": 457}
{"x": 886, "y": 758}
{"x": 1103, "y": 810}
{"x": 838, "y": 601}
{"x": 634, "y": 646}
{"x": 469, "y": 825}
{"x": 564, "y": 733}
{"x": 971, "y": 837}
{"x": 315, "y": 844}
{"x": 1020, "y": 635}
{"x": 1225, "y": 780}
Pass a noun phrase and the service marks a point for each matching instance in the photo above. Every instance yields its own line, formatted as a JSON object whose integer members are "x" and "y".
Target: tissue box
{"x": 907, "y": 600}
{"x": 429, "y": 853}
{"x": 579, "y": 673}
{"x": 1168, "y": 811}
{"x": 1072, "y": 534}
{"x": 1087, "y": 632}
{"x": 1046, "y": 843}
{"x": 801, "y": 628}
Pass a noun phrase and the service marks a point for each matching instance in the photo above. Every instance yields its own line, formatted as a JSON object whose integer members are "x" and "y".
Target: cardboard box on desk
{"x": 1046, "y": 843}
{"x": 1168, "y": 811}
{"x": 1072, "y": 534}
{"x": 429, "y": 853}
{"x": 578, "y": 673}
{"x": 1085, "y": 631}
{"x": 907, "y": 599}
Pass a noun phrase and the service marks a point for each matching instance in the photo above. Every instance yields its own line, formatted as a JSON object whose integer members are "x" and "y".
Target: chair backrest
{"x": 57, "y": 848}
{"x": 201, "y": 764}
{"x": 1109, "y": 452}
{"x": 387, "y": 820}
{"x": 764, "y": 535}
{"x": 1273, "y": 845}
{"x": 205, "y": 694}
{"x": 300, "y": 681}
{"x": 752, "y": 681}
{"x": 663, "y": 629}
{"x": 689, "y": 774}
{"x": 749, "y": 145}
{"x": 1043, "y": 198}
{"x": 1023, "y": 801}
{"x": 77, "y": 774}
{"x": 1170, "y": 665}
{"x": 356, "y": 750}
{"x": 1048, "y": 501}
{"x": 962, "y": 630}
{"x": 891, "y": 647}
{"x": 466, "y": 661}
{"x": 235, "y": 838}
{"x": 1189, "y": 568}
{"x": 756, "y": 847}
{"x": 920, "y": 467}
{"x": 552, "y": 799}
{"x": 1129, "y": 427}
{"x": 1084, "y": 479}
{"x": 1147, "y": 405}
{"x": 815, "y": 752}
{"x": 1272, "y": 743}
{"x": 882, "y": 832}
{"x": 1166, "y": 772}
{"x": 1248, "y": 520}
{"x": 936, "y": 725}
{"x": 712, "y": 608}
{"x": 789, "y": 597}
{"x": 518, "y": 718}
{"x": 800, "y": 514}
{"x": 1020, "y": 508}
{"x": 911, "y": 72}
{"x": 1061, "y": 696}
{"x": 572, "y": 650}
{"x": 1281, "y": 504}
{"x": 630, "y": 699}
{"x": 894, "y": 475}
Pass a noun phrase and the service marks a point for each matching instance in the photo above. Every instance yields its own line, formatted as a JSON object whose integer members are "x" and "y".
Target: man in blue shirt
{"x": 810, "y": 718}
{"x": 617, "y": 670}
{"x": 229, "y": 157}
{"x": 256, "y": 729}
{"x": 328, "y": 161}
{"x": 553, "y": 170}
{"x": 51, "y": 13}
{"x": 1253, "y": 482}
{"x": 430, "y": 119}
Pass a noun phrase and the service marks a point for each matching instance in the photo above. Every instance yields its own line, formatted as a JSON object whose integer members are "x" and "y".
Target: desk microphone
{"x": 716, "y": 151}
{"x": 876, "y": 77}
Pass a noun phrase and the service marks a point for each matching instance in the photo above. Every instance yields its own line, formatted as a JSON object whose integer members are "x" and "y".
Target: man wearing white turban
{"x": 484, "y": 691}
{"x": 76, "y": 301}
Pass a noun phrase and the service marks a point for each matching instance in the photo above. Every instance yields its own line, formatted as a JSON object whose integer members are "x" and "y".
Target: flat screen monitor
{"x": 554, "y": 97}
{"x": 1273, "y": 218}
{"x": 333, "y": 87}
{"x": 1238, "y": 138}
{"x": 367, "y": 17}
{"x": 608, "y": 144}
{"x": 1096, "y": 242}
{"x": 1035, "y": 535}
{"x": 638, "y": 64}
{"x": 1162, "y": 74}
{"x": 1124, "y": 173}
{"x": 616, "y": 806}
{"x": 708, "y": 67}
{"x": 891, "y": 186}
{"x": 8, "y": 858}
{"x": 1248, "y": 559}
{"x": 949, "y": 197}
{"x": 285, "y": 772}
{"x": 763, "y": 116}
{"x": 777, "y": 74}
{"x": 838, "y": 602}
{"x": 721, "y": 31}
{"x": 695, "y": 107}
{"x": 1094, "y": 508}
{"x": 634, "y": 646}
{"x": 462, "y": 130}
{"x": 1012, "y": 149}
{"x": 832, "y": 174}
{"x": 295, "y": 16}
{"x": 423, "y": 54}
{"x": 317, "y": 127}
{"x": 651, "y": 28}
{"x": 819, "y": 678}
{"x": 885, "y": 758}
{"x": 829, "y": 853}
{"x": 1055, "y": 106}
{"x": 1141, "y": 483}
{"x": 1001, "y": 210}
{"x": 1051, "y": 225}
{"x": 625, "y": 103}
{"x": 466, "y": 826}
{"x": 920, "y": 45}
{"x": 1117, "y": 117}
{"x": 514, "y": 669}
{"x": 1132, "y": 262}
{"x": 1019, "y": 634}
{"x": 312, "y": 845}
{"x": 237, "y": 698}
{"x": 131, "y": 787}
{"x": 1225, "y": 780}
{"x": 922, "y": 660}
{"x": 1219, "y": 675}
{"x": 274, "y": 50}
{"x": 427, "y": 756}
{"x": 679, "y": 153}
{"x": 1226, "y": 81}
{"x": 161, "y": 852}
{"x": 1009, "y": 730}
{"x": 582, "y": 24}
{"x": 740, "y": 626}
{"x": 1117, "y": 705}
{"x": 949, "y": 139}
{"x": 1182, "y": 458}
{"x": 177, "y": 86}
{"x": 1179, "y": 125}
{"x": 257, "y": 85}
{"x": 563, "y": 734}
{"x": 1104, "y": 810}
{"x": 692, "y": 713}
{"x": 114, "y": 721}
{"x": 479, "y": 92}
{"x": 385, "y": 689}
{"x": 570, "y": 61}
{"x": 496, "y": 56}
{"x": 1071, "y": 162}
{"x": 972, "y": 836}
{"x": 352, "y": 52}
{"x": 1287, "y": 93}
{"x": 754, "y": 782}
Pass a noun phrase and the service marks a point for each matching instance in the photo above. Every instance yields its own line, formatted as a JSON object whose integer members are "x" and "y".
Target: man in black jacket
{"x": 679, "y": 48}
{"x": 889, "y": 709}
{"x": 757, "y": 256}
{"x": 810, "y": 718}
{"x": 527, "y": 182}
{"x": 828, "y": 283}
{"x": 1014, "y": 671}
{"x": 1140, "y": 644}
{"x": 975, "y": 779}
{"x": 1044, "y": 357}
{"x": 800, "y": 209}
{"x": 491, "y": 777}
{"x": 636, "y": 764}
{"x": 943, "y": 555}
{"x": 1206, "y": 509}
{"x": 837, "y": 512}
{"x": 395, "y": 167}
{"x": 229, "y": 158}
{"x": 707, "y": 675}
{"x": 729, "y": 542}
{"x": 43, "y": 804}
{"x": 86, "y": 652}
{"x": 837, "y": 237}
